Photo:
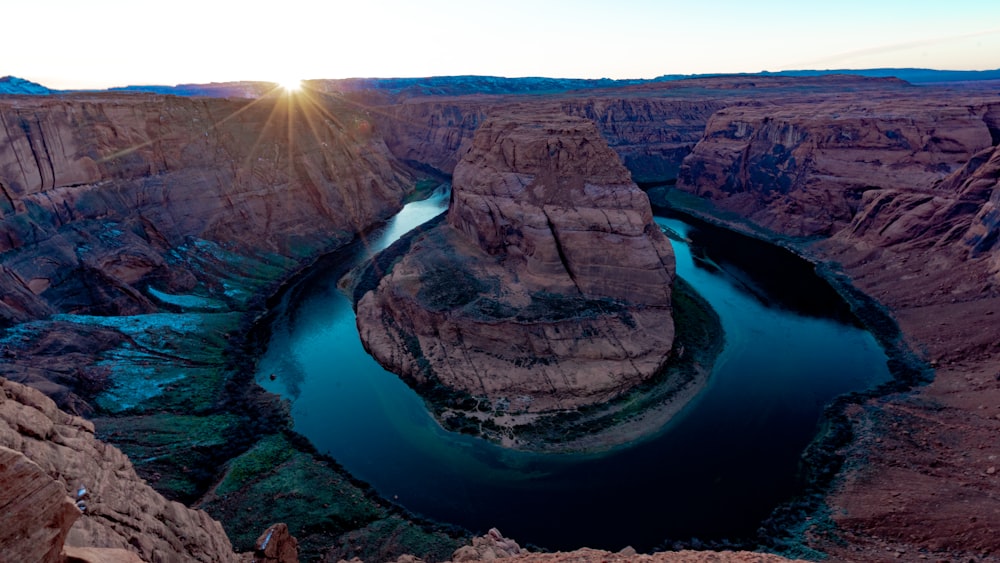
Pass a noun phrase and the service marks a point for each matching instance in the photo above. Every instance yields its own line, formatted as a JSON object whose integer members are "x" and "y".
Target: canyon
{"x": 141, "y": 235}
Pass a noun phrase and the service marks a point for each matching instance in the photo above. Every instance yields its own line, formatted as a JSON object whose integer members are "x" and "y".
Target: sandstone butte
{"x": 548, "y": 286}
{"x": 892, "y": 187}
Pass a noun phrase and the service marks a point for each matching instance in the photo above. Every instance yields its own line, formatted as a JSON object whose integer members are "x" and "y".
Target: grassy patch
{"x": 269, "y": 453}
{"x": 177, "y": 454}
{"x": 275, "y": 482}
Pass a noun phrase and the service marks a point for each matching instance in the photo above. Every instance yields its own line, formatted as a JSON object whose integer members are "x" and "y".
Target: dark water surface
{"x": 715, "y": 471}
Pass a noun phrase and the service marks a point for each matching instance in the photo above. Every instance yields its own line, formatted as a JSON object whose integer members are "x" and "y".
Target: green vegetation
{"x": 267, "y": 454}
{"x": 276, "y": 480}
{"x": 176, "y": 453}
{"x": 448, "y": 287}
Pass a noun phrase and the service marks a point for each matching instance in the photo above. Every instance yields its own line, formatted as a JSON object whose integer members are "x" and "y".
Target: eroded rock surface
{"x": 548, "y": 287}
{"x": 120, "y": 510}
{"x": 36, "y": 511}
{"x": 806, "y": 169}
{"x": 100, "y": 195}
{"x": 494, "y": 546}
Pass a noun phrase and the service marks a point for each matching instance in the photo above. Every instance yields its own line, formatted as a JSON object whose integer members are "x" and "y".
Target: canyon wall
{"x": 137, "y": 234}
{"x": 104, "y": 198}
{"x": 900, "y": 197}
{"x": 808, "y": 169}
{"x": 651, "y": 135}
{"x": 96, "y": 192}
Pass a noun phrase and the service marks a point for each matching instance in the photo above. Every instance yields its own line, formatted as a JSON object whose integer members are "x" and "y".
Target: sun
{"x": 290, "y": 85}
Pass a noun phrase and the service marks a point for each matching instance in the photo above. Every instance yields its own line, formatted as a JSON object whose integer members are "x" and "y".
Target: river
{"x": 714, "y": 471}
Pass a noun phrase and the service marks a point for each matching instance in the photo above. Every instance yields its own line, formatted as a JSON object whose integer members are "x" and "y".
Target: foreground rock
{"x": 37, "y": 512}
{"x": 60, "y": 454}
{"x": 549, "y": 285}
{"x": 493, "y": 546}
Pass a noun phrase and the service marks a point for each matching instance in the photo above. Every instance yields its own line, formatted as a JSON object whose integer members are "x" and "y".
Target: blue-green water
{"x": 715, "y": 471}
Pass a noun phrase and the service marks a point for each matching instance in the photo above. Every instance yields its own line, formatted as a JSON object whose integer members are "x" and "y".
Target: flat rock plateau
{"x": 141, "y": 235}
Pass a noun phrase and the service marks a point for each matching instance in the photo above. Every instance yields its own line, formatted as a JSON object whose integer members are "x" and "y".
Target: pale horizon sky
{"x": 71, "y": 44}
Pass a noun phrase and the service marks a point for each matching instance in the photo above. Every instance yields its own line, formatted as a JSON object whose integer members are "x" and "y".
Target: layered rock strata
{"x": 549, "y": 285}
{"x": 807, "y": 169}
{"x": 650, "y": 135}
{"x": 98, "y": 193}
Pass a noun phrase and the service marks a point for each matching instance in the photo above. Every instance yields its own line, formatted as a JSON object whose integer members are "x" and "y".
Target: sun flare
{"x": 290, "y": 85}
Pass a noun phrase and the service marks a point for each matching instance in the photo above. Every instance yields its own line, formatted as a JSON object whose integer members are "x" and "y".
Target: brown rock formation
{"x": 804, "y": 169}
{"x": 651, "y": 135}
{"x": 120, "y": 510}
{"x": 95, "y": 191}
{"x": 961, "y": 214}
{"x": 100, "y": 555}
{"x": 493, "y": 546}
{"x": 35, "y": 511}
{"x": 547, "y": 288}
{"x": 276, "y": 545}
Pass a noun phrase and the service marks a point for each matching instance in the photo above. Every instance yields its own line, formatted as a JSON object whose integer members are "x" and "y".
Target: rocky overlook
{"x": 59, "y": 459}
{"x": 549, "y": 285}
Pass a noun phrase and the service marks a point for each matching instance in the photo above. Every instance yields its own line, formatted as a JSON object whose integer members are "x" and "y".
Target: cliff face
{"x": 103, "y": 197}
{"x": 906, "y": 192}
{"x": 51, "y": 459}
{"x": 651, "y": 136}
{"x": 95, "y": 192}
{"x": 961, "y": 212}
{"x": 806, "y": 170}
{"x": 547, "y": 288}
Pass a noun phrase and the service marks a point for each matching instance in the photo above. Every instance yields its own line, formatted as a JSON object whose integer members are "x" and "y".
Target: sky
{"x": 78, "y": 44}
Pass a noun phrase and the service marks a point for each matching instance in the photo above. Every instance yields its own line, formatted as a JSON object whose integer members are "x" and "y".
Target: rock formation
{"x": 958, "y": 214}
{"x": 97, "y": 191}
{"x": 51, "y": 459}
{"x": 494, "y": 546}
{"x": 805, "y": 169}
{"x": 113, "y": 204}
{"x": 904, "y": 195}
{"x": 547, "y": 288}
{"x": 37, "y": 512}
{"x": 276, "y": 545}
{"x": 651, "y": 135}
